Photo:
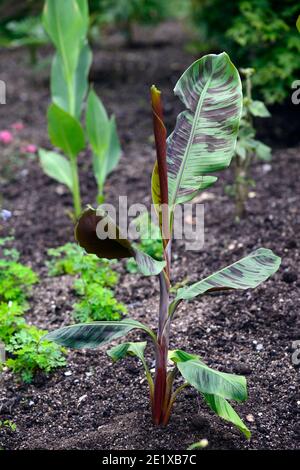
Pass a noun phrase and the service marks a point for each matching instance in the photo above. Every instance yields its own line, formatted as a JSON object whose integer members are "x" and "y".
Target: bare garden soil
{"x": 92, "y": 404}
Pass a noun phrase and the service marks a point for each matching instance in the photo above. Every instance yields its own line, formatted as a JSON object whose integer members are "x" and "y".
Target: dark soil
{"x": 95, "y": 405}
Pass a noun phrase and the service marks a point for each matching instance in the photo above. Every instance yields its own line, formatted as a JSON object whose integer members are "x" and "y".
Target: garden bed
{"x": 92, "y": 404}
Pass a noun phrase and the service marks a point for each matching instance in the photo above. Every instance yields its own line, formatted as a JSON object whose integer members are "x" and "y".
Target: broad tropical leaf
{"x": 128, "y": 349}
{"x": 210, "y": 381}
{"x": 92, "y": 335}
{"x": 59, "y": 88}
{"x": 57, "y": 167}
{"x": 114, "y": 148}
{"x": 181, "y": 356}
{"x": 97, "y": 125}
{"x": 65, "y": 131}
{"x": 114, "y": 246}
{"x": 247, "y": 273}
{"x": 223, "y": 409}
{"x": 205, "y": 134}
{"x": 66, "y": 23}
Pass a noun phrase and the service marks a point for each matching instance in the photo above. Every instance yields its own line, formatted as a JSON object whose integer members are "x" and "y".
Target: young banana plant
{"x": 203, "y": 142}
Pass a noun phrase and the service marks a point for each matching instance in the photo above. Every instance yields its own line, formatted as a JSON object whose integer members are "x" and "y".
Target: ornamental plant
{"x": 202, "y": 142}
{"x": 248, "y": 147}
{"x": 67, "y": 25}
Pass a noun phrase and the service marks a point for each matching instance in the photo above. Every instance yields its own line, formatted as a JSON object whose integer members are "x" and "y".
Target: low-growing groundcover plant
{"x": 203, "y": 142}
{"x": 67, "y": 25}
{"x": 94, "y": 282}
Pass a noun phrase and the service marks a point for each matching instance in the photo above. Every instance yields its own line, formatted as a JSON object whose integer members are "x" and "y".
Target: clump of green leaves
{"x": 203, "y": 142}
{"x": 16, "y": 279}
{"x": 248, "y": 147}
{"x": 98, "y": 303}
{"x": 256, "y": 33}
{"x": 30, "y": 353}
{"x": 8, "y": 424}
{"x": 150, "y": 241}
{"x": 94, "y": 285}
{"x": 67, "y": 24}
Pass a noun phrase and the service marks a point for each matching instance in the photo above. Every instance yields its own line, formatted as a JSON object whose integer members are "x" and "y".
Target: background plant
{"x": 27, "y": 352}
{"x": 67, "y": 25}
{"x": 94, "y": 283}
{"x": 257, "y": 33}
{"x": 203, "y": 142}
{"x": 248, "y": 147}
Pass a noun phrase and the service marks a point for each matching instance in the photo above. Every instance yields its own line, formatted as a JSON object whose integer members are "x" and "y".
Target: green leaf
{"x": 210, "y": 381}
{"x": 258, "y": 109}
{"x": 97, "y": 124}
{"x": 94, "y": 334}
{"x": 298, "y": 23}
{"x": 59, "y": 88}
{"x": 114, "y": 245}
{"x": 205, "y": 134}
{"x": 65, "y": 131}
{"x": 57, "y": 167}
{"x": 66, "y": 23}
{"x": 128, "y": 349}
{"x": 114, "y": 149}
{"x": 262, "y": 151}
{"x": 181, "y": 356}
{"x": 247, "y": 273}
{"x": 223, "y": 409}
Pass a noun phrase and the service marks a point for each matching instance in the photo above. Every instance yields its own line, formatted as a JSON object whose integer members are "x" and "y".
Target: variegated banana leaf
{"x": 92, "y": 335}
{"x": 247, "y": 273}
{"x": 114, "y": 245}
{"x": 205, "y": 135}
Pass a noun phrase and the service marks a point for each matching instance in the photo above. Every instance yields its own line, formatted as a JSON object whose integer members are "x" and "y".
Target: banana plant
{"x": 202, "y": 142}
{"x": 67, "y": 26}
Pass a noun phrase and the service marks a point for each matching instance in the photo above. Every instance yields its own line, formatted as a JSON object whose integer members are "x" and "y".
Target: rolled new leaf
{"x": 247, "y": 273}
{"x": 205, "y": 135}
{"x": 94, "y": 334}
{"x": 114, "y": 246}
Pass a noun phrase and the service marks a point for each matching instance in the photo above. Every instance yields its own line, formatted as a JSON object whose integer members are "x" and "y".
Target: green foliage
{"x": 8, "y": 424}
{"x": 259, "y": 33}
{"x": 248, "y": 147}
{"x": 15, "y": 278}
{"x": 98, "y": 303}
{"x": 11, "y": 320}
{"x": 30, "y": 353}
{"x": 94, "y": 284}
{"x": 67, "y": 25}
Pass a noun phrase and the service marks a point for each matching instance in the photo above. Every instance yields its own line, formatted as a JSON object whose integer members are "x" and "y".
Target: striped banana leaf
{"x": 94, "y": 334}
{"x": 247, "y": 273}
{"x": 205, "y": 135}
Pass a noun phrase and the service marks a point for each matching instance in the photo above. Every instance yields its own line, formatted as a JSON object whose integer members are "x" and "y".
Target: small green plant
{"x": 8, "y": 424}
{"x": 16, "y": 279}
{"x": 98, "y": 303}
{"x": 150, "y": 241}
{"x": 248, "y": 147}
{"x": 203, "y": 142}
{"x": 11, "y": 320}
{"x": 67, "y": 24}
{"x": 94, "y": 284}
{"x": 30, "y": 353}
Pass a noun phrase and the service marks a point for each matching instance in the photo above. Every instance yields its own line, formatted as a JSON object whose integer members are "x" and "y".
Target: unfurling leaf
{"x": 247, "y": 273}
{"x": 114, "y": 246}
{"x": 65, "y": 131}
{"x": 57, "y": 167}
{"x": 92, "y": 335}
{"x": 205, "y": 134}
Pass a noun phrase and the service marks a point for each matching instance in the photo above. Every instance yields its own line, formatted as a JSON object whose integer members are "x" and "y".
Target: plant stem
{"x": 75, "y": 187}
{"x": 171, "y": 403}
